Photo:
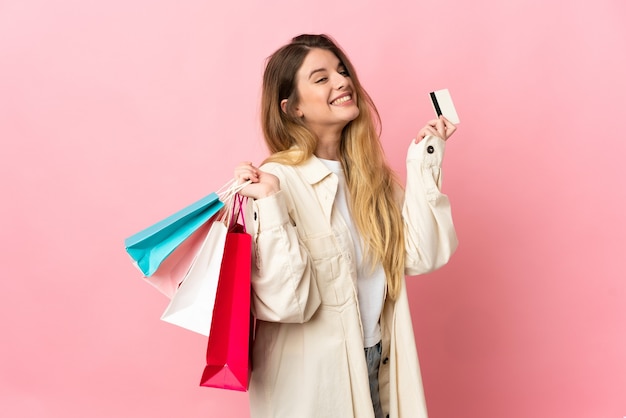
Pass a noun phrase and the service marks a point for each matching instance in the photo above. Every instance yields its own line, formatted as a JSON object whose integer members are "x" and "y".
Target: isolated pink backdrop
{"x": 115, "y": 114}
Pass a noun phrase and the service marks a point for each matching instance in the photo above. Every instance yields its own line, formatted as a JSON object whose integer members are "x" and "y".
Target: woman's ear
{"x": 283, "y": 106}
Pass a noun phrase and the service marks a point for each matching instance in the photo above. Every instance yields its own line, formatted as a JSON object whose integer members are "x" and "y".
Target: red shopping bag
{"x": 228, "y": 364}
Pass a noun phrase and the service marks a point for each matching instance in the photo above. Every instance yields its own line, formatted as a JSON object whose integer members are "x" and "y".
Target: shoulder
{"x": 278, "y": 169}
{"x": 272, "y": 166}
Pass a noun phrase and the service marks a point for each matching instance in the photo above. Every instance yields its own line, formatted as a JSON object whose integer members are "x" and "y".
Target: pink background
{"x": 115, "y": 114}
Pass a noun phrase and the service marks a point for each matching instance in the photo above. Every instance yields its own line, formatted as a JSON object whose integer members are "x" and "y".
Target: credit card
{"x": 442, "y": 103}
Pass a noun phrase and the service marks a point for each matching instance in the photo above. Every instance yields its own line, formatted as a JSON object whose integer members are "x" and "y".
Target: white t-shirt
{"x": 370, "y": 283}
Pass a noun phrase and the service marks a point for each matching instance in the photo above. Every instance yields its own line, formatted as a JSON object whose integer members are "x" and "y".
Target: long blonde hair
{"x": 371, "y": 182}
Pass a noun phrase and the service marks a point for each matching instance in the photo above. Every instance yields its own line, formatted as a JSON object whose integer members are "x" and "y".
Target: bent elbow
{"x": 427, "y": 262}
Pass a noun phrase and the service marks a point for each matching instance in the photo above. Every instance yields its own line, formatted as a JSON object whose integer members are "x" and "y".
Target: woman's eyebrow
{"x": 340, "y": 66}
{"x": 316, "y": 71}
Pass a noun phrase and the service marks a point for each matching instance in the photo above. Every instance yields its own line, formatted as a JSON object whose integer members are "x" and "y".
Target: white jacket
{"x": 308, "y": 358}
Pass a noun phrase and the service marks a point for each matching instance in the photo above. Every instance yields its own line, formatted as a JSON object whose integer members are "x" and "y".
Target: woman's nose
{"x": 339, "y": 81}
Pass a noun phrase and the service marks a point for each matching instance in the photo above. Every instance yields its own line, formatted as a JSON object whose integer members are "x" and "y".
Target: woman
{"x": 333, "y": 236}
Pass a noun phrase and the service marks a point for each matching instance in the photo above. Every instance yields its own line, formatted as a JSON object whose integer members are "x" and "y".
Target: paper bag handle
{"x": 238, "y": 204}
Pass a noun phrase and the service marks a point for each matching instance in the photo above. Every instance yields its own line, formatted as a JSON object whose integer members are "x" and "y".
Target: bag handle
{"x": 238, "y": 204}
{"x": 231, "y": 188}
{"x": 229, "y": 195}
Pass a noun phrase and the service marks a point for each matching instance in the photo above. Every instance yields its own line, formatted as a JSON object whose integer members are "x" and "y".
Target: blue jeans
{"x": 372, "y": 357}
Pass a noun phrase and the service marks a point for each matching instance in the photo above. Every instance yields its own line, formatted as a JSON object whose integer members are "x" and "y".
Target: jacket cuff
{"x": 429, "y": 150}
{"x": 270, "y": 212}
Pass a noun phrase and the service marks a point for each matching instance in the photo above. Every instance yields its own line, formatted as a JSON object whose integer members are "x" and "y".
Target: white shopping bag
{"x": 173, "y": 270}
{"x": 191, "y": 306}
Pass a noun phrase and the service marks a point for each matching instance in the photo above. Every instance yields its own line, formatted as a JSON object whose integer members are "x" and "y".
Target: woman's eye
{"x": 321, "y": 80}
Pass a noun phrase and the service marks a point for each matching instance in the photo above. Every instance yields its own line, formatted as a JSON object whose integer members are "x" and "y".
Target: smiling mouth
{"x": 341, "y": 100}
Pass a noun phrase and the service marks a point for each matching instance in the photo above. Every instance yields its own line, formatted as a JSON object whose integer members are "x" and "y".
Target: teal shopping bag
{"x": 148, "y": 248}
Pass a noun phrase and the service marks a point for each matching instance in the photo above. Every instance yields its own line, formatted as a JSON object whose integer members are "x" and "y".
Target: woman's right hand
{"x": 263, "y": 184}
{"x": 440, "y": 127}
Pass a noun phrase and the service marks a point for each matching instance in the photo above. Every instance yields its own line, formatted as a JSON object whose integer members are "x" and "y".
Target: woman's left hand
{"x": 441, "y": 128}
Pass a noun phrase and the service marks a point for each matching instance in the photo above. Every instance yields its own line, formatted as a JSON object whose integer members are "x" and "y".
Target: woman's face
{"x": 327, "y": 100}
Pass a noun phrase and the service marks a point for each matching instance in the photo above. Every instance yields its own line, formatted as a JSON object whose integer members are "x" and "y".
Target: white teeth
{"x": 341, "y": 100}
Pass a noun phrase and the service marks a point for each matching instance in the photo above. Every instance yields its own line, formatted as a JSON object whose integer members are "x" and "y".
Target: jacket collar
{"x": 323, "y": 182}
{"x": 313, "y": 170}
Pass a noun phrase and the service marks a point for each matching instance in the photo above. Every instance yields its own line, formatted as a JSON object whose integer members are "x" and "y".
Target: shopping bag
{"x": 174, "y": 268}
{"x": 191, "y": 306}
{"x": 228, "y": 363}
{"x": 149, "y": 247}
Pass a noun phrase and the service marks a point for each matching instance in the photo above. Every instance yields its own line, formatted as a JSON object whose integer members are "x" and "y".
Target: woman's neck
{"x": 328, "y": 146}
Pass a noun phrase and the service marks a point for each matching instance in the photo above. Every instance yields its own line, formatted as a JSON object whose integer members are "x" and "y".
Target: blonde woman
{"x": 334, "y": 235}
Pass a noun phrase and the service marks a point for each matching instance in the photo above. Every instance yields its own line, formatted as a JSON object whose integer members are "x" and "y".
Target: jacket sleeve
{"x": 430, "y": 238}
{"x": 283, "y": 281}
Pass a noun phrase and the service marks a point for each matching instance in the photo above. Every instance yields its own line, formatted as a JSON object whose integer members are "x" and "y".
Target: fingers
{"x": 263, "y": 184}
{"x": 246, "y": 171}
{"x": 425, "y": 130}
{"x": 440, "y": 127}
{"x": 449, "y": 127}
